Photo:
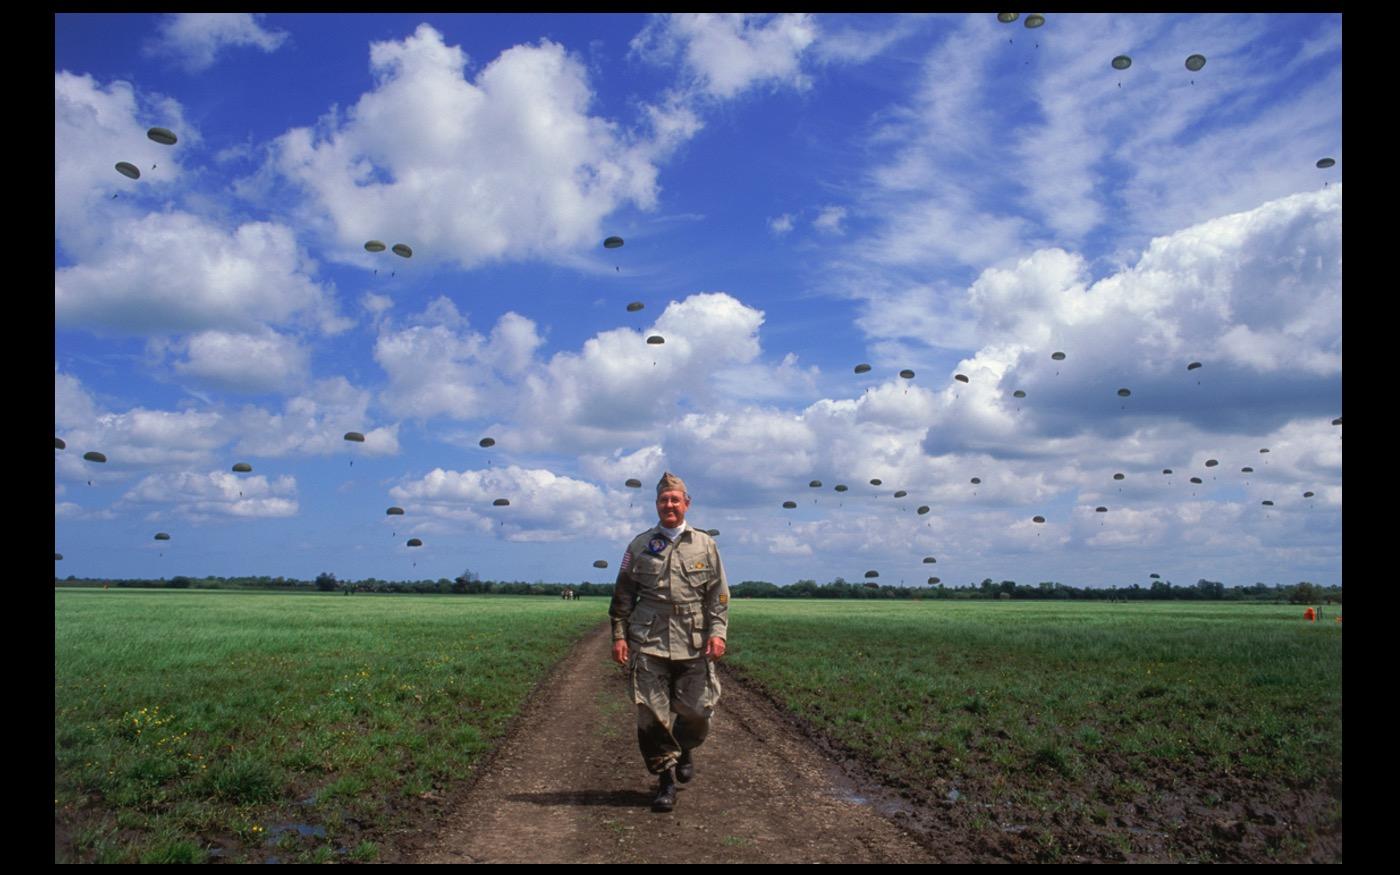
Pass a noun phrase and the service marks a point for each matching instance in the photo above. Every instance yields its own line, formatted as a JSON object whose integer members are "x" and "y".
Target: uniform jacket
{"x": 669, "y": 597}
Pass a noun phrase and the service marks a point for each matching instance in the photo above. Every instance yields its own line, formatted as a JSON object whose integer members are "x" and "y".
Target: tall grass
{"x": 187, "y": 721}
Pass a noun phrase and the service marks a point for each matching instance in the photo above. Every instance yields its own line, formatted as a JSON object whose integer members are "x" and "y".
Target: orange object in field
{"x": 1310, "y": 615}
{"x": 1339, "y": 618}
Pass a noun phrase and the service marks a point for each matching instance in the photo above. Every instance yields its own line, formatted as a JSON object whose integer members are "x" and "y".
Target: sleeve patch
{"x": 626, "y": 559}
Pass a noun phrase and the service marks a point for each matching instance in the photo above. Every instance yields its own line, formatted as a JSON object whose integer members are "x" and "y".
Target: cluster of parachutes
{"x": 1194, "y": 62}
{"x": 1038, "y": 519}
{"x": 164, "y": 136}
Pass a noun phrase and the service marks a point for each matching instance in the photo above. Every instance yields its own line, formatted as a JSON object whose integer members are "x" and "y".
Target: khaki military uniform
{"x": 669, "y": 598}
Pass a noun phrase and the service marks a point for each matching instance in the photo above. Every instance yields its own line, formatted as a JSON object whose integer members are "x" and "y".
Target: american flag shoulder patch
{"x": 626, "y": 559}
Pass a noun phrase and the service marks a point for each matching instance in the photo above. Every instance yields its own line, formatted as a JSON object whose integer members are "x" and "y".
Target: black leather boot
{"x": 665, "y": 793}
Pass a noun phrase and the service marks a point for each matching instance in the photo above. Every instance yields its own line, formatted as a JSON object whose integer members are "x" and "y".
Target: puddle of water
{"x": 849, "y": 796}
{"x": 305, "y": 830}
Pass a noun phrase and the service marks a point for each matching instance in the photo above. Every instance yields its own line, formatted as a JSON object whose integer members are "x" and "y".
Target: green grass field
{"x": 291, "y": 725}
{"x": 306, "y": 727}
{"x": 1080, "y": 708}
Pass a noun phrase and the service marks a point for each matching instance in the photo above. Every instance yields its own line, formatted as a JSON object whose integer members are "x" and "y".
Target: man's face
{"x": 671, "y": 507}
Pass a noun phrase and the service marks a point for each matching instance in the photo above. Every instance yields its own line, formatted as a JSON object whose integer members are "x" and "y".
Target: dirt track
{"x": 569, "y": 786}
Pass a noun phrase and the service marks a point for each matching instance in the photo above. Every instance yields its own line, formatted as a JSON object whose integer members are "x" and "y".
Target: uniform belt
{"x": 673, "y": 607}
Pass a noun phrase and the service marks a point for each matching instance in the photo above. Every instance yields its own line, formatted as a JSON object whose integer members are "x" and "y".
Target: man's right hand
{"x": 620, "y": 651}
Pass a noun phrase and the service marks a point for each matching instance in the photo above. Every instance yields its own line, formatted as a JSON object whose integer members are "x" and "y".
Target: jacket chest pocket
{"x": 697, "y": 571}
{"x": 646, "y": 569}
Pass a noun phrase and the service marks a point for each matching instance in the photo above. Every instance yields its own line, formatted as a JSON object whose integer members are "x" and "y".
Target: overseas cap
{"x": 670, "y": 482}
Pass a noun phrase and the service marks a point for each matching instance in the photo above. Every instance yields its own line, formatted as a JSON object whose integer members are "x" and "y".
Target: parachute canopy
{"x": 164, "y": 136}
{"x": 501, "y": 502}
{"x": 1007, "y": 17}
{"x": 960, "y": 378}
{"x": 1057, "y": 356}
{"x": 1267, "y": 503}
{"x": 1166, "y": 470}
{"x": 1195, "y": 62}
{"x": 840, "y": 487}
{"x": 162, "y": 536}
{"x": 600, "y": 563}
{"x": 656, "y": 339}
{"x": 862, "y": 368}
{"x": 402, "y": 249}
{"x": 242, "y": 468}
{"x": 1124, "y": 393}
{"x": 128, "y": 170}
{"x": 374, "y": 246}
{"x": 1193, "y": 366}
{"x": 1035, "y": 19}
{"x": 1211, "y": 463}
{"x": 923, "y": 509}
{"x": 815, "y": 484}
{"x": 1246, "y": 470}
{"x": 57, "y": 556}
{"x": 932, "y": 581}
{"x": 929, "y": 560}
{"x": 394, "y": 511}
{"x": 1037, "y": 519}
{"x": 613, "y": 243}
{"x": 1308, "y": 494}
{"x": 1122, "y": 62}
{"x": 876, "y": 481}
{"x": 1197, "y": 480}
{"x": 976, "y": 481}
{"x": 60, "y": 445}
{"x": 900, "y": 494}
{"x": 789, "y": 504}
{"x": 1155, "y": 576}
{"x": 633, "y": 483}
{"x": 1264, "y": 449}
{"x": 1337, "y": 421}
{"x": 1018, "y": 394}
{"x": 872, "y": 573}
{"x": 355, "y": 436}
{"x": 1324, "y": 163}
{"x": 94, "y": 457}
{"x": 486, "y": 442}
{"x": 1117, "y": 476}
{"x": 414, "y": 542}
{"x": 1101, "y": 509}
{"x": 907, "y": 374}
{"x": 635, "y": 306}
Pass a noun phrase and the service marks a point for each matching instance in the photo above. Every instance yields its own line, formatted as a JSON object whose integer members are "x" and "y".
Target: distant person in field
{"x": 670, "y": 617}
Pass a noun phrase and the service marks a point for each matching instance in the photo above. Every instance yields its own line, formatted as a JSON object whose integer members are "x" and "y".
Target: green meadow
{"x": 246, "y": 726}
{"x": 200, "y": 725}
{"x": 1071, "y": 708}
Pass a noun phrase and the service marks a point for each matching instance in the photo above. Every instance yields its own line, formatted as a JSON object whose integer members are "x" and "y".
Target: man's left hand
{"x": 714, "y": 648}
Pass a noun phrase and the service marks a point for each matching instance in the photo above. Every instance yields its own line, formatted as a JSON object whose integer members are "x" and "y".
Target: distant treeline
{"x": 1160, "y": 590}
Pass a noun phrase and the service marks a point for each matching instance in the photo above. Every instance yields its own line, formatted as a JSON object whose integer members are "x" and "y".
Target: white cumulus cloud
{"x": 195, "y": 39}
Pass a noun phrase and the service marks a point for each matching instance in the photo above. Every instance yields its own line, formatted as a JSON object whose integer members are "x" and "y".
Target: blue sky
{"x": 798, "y": 194}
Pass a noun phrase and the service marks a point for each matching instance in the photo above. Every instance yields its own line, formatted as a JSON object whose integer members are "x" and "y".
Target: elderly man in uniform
{"x": 670, "y": 615}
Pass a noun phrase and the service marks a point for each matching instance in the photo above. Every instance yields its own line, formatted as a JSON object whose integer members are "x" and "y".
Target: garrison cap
{"x": 669, "y": 482}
